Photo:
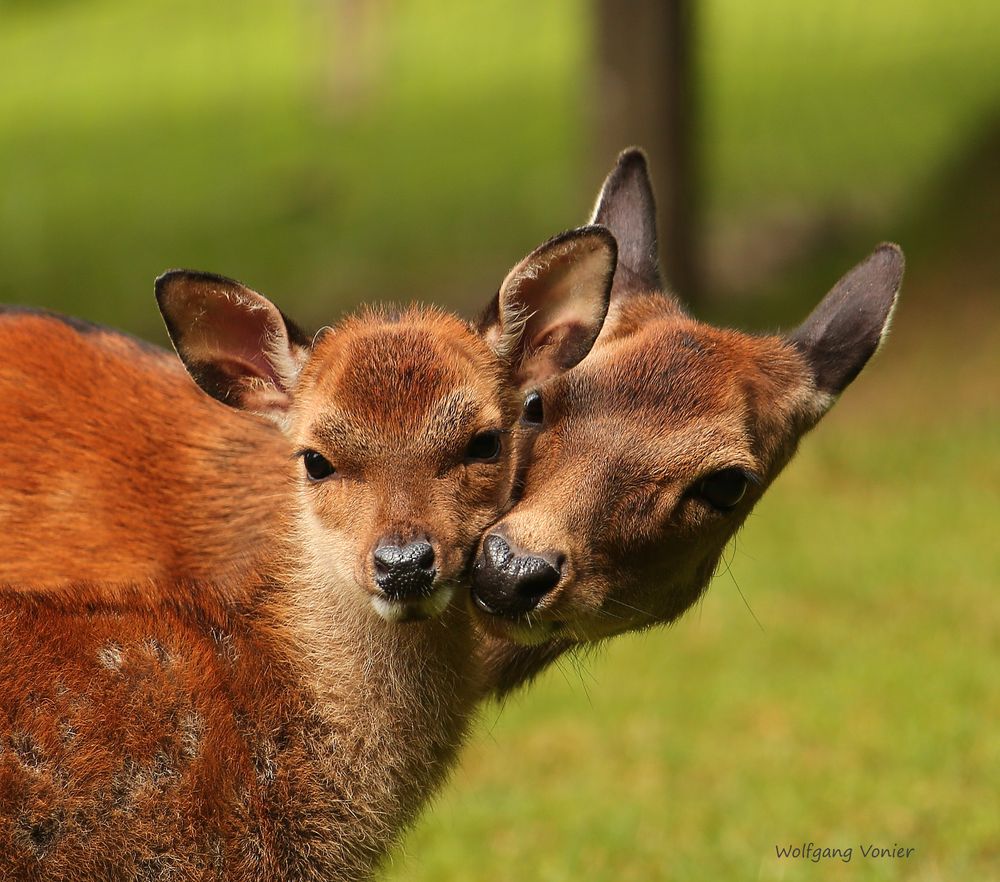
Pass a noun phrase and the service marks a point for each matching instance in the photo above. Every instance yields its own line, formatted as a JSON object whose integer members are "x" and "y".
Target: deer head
{"x": 657, "y": 446}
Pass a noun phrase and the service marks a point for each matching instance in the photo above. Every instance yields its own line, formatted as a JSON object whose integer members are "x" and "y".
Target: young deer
{"x": 657, "y": 446}
{"x": 283, "y": 730}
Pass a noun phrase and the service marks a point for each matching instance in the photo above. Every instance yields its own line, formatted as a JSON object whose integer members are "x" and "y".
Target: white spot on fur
{"x": 191, "y": 729}
{"x": 111, "y": 656}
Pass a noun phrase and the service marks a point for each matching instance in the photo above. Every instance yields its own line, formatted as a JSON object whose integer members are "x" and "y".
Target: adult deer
{"x": 287, "y": 727}
{"x": 657, "y": 446}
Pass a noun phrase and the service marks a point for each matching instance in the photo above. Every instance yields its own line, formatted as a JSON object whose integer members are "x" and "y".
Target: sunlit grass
{"x": 136, "y": 137}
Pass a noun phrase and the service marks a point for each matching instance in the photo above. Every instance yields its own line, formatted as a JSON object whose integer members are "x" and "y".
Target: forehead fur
{"x": 673, "y": 372}
{"x": 682, "y": 369}
{"x": 389, "y": 370}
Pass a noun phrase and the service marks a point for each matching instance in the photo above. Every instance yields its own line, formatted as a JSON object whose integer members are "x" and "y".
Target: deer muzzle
{"x": 510, "y": 584}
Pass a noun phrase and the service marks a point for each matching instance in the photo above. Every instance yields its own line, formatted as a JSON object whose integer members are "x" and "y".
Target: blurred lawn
{"x": 140, "y": 136}
{"x": 135, "y": 137}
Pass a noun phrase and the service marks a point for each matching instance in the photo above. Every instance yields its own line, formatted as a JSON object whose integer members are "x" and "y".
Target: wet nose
{"x": 404, "y": 571}
{"x": 508, "y": 584}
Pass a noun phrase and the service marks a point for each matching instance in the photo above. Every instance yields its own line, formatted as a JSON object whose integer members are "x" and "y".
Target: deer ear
{"x": 552, "y": 305}
{"x": 235, "y": 343}
{"x": 852, "y": 321}
{"x": 627, "y": 207}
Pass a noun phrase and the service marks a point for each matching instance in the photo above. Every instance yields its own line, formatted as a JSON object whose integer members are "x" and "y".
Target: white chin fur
{"x": 533, "y": 634}
{"x": 396, "y": 611}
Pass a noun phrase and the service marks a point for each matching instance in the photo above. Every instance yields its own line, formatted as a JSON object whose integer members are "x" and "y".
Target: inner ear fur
{"x": 847, "y": 327}
{"x": 237, "y": 345}
{"x": 552, "y": 305}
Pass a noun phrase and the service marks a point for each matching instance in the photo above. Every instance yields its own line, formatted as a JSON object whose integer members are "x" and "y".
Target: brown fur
{"x": 270, "y": 726}
{"x": 661, "y": 401}
{"x": 117, "y": 472}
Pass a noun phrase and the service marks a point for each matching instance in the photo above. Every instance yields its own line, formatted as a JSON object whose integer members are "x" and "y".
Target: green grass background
{"x": 135, "y": 137}
{"x": 139, "y": 136}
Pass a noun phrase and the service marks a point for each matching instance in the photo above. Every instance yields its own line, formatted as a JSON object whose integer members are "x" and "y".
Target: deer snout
{"x": 507, "y": 583}
{"x": 404, "y": 571}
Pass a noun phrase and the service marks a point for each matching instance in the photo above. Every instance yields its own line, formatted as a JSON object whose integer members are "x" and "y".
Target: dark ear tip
{"x": 632, "y": 159}
{"x": 590, "y": 231}
{"x": 891, "y": 264}
{"x": 165, "y": 281}
{"x": 631, "y": 171}
{"x": 891, "y": 252}
{"x": 169, "y": 280}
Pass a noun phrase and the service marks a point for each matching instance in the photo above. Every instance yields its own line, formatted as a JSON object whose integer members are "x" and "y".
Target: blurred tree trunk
{"x": 358, "y": 49}
{"x": 646, "y": 81}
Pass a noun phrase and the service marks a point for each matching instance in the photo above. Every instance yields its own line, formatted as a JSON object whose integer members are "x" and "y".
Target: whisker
{"x": 575, "y": 661}
{"x": 560, "y": 665}
{"x": 746, "y": 603}
{"x": 641, "y": 612}
{"x": 606, "y": 613}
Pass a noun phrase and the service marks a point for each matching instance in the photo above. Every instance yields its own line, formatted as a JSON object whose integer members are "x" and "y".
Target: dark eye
{"x": 533, "y": 412}
{"x": 724, "y": 489}
{"x": 484, "y": 447}
{"x": 317, "y": 466}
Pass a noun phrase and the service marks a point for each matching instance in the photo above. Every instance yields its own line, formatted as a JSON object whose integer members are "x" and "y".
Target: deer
{"x": 289, "y": 724}
{"x": 649, "y": 455}
{"x": 646, "y": 566}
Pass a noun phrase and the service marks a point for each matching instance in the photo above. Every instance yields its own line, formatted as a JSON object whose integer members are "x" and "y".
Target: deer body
{"x": 197, "y": 743}
{"x": 285, "y": 726}
{"x": 277, "y": 731}
{"x": 116, "y": 473}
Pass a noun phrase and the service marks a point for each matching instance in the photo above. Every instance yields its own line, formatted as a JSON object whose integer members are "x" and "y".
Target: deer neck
{"x": 386, "y": 707}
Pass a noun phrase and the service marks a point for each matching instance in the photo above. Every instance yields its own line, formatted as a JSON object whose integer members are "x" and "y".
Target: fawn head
{"x": 403, "y": 422}
{"x": 657, "y": 446}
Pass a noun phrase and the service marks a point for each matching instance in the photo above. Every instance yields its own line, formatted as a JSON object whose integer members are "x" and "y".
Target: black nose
{"x": 507, "y": 584}
{"x": 404, "y": 572}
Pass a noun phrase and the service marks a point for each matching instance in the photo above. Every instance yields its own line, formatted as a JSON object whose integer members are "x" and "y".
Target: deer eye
{"x": 317, "y": 466}
{"x": 484, "y": 447}
{"x": 533, "y": 412}
{"x": 723, "y": 489}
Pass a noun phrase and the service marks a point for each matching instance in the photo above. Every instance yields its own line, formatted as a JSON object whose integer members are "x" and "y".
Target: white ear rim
{"x": 287, "y": 359}
{"x": 887, "y": 324}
